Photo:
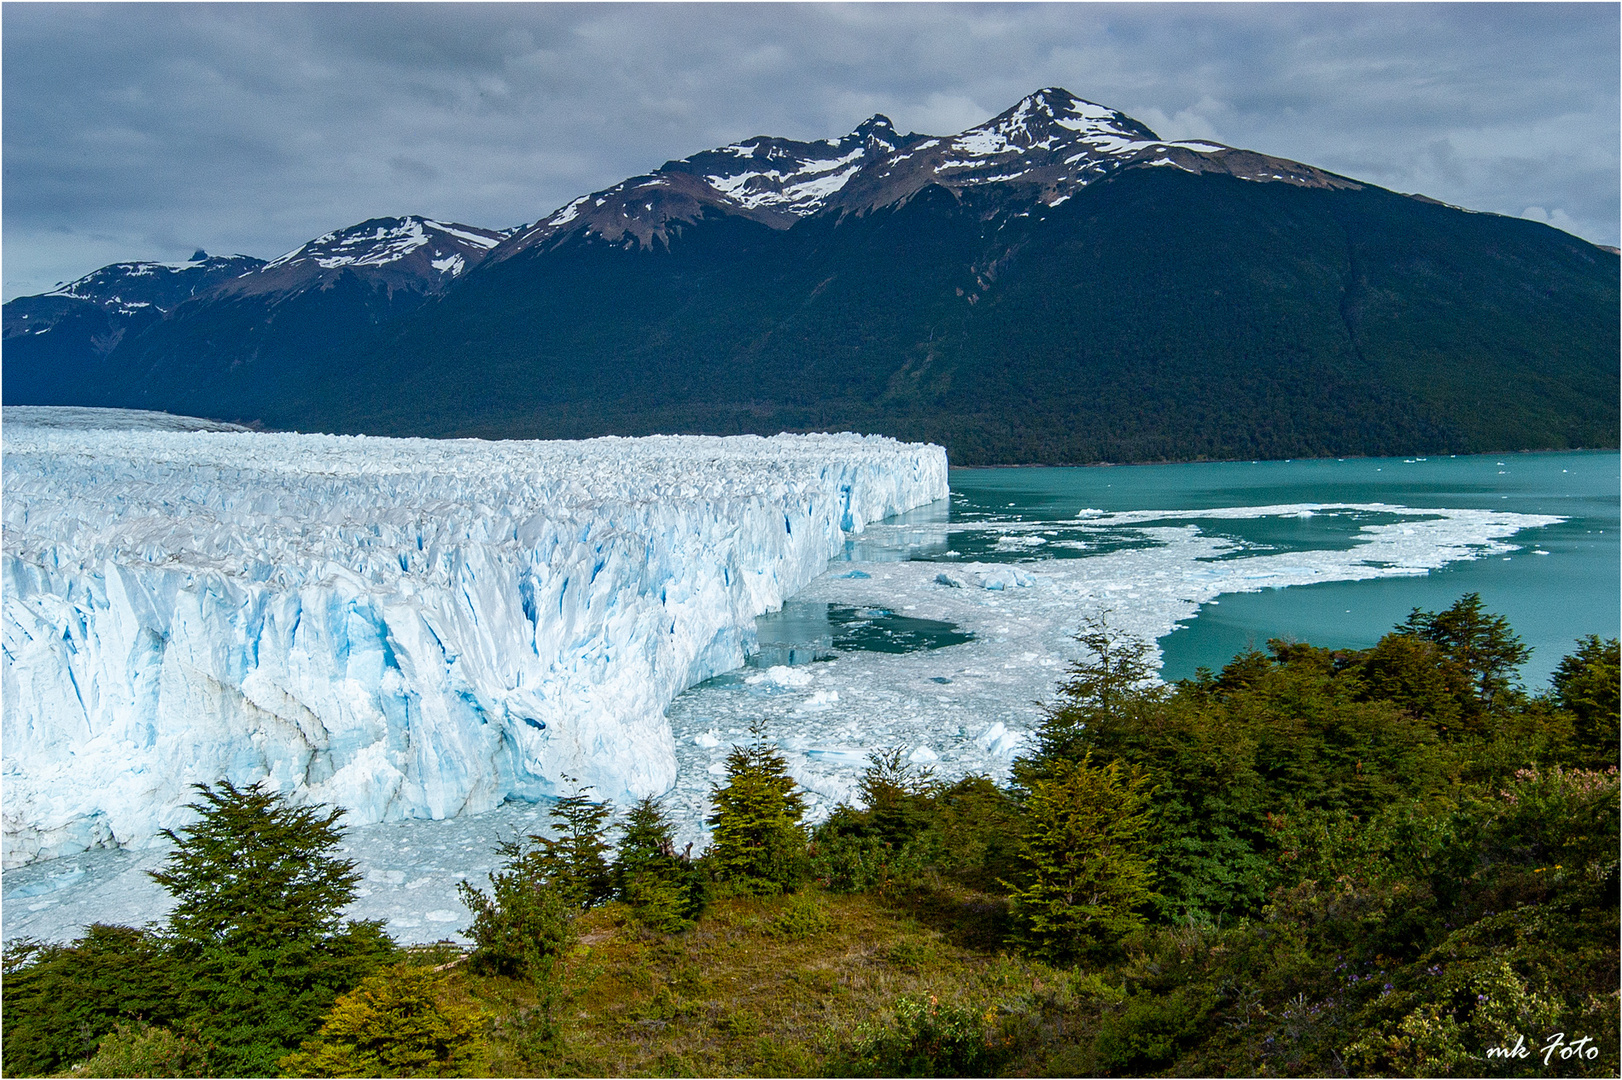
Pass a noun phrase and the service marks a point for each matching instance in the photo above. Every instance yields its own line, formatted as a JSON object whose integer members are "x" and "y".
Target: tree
{"x": 256, "y": 929}
{"x": 523, "y": 930}
{"x": 1586, "y": 685}
{"x": 1105, "y": 687}
{"x": 1417, "y": 676}
{"x": 1482, "y": 645}
{"x": 61, "y": 999}
{"x": 254, "y": 868}
{"x": 665, "y": 890}
{"x": 759, "y": 843}
{"x": 575, "y": 860}
{"x": 899, "y": 796}
{"x": 525, "y": 923}
{"x": 1083, "y": 851}
{"x": 396, "y": 1023}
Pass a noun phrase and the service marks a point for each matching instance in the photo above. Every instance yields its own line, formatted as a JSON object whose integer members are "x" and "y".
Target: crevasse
{"x": 402, "y": 627}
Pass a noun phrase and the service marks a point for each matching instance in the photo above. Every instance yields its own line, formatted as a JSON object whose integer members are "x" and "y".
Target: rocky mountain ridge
{"x": 1056, "y": 284}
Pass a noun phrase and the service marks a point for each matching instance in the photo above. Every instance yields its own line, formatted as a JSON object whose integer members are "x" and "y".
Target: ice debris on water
{"x": 406, "y": 628}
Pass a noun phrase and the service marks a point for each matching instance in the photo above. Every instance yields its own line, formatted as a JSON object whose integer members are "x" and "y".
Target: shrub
{"x": 60, "y": 1000}
{"x": 665, "y": 892}
{"x": 1586, "y": 684}
{"x": 1148, "y": 1033}
{"x": 142, "y": 1050}
{"x": 925, "y": 1038}
{"x": 801, "y": 917}
{"x": 523, "y": 926}
{"x": 574, "y": 861}
{"x": 850, "y": 862}
{"x": 396, "y": 1023}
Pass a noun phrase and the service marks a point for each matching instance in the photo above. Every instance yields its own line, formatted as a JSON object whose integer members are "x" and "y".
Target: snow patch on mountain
{"x": 383, "y": 241}
{"x": 406, "y": 628}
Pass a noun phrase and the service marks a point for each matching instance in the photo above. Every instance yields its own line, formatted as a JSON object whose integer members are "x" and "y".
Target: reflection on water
{"x": 807, "y": 631}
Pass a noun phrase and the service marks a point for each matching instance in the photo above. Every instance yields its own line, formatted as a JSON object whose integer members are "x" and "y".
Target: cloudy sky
{"x": 135, "y": 131}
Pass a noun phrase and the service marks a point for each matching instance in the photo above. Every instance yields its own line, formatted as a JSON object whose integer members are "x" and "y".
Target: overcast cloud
{"x": 135, "y": 131}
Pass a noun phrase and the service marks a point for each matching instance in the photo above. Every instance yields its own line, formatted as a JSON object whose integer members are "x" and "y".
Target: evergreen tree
{"x": 574, "y": 861}
{"x": 759, "y": 844}
{"x": 899, "y": 796}
{"x": 524, "y": 923}
{"x": 1083, "y": 851}
{"x": 1108, "y": 686}
{"x": 256, "y": 928}
{"x": 664, "y": 889}
{"x": 61, "y": 999}
{"x": 1586, "y": 685}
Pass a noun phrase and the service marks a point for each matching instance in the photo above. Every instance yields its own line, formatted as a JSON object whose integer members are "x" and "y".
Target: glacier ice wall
{"x": 406, "y": 628}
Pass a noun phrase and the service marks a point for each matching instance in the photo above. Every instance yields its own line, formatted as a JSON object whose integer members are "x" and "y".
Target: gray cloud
{"x": 146, "y": 131}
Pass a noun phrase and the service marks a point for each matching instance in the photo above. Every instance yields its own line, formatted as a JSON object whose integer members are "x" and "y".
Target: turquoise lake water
{"x": 1550, "y": 599}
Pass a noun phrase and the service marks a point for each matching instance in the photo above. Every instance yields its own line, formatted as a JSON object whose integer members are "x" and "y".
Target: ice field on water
{"x": 935, "y": 630}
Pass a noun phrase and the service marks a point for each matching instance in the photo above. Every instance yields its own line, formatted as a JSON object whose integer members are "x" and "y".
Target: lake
{"x": 1550, "y": 599}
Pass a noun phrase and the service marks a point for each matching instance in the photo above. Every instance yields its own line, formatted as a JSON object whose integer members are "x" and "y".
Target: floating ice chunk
{"x": 922, "y": 755}
{"x": 707, "y": 739}
{"x": 999, "y": 740}
{"x": 820, "y": 701}
{"x": 951, "y": 581}
{"x": 999, "y": 578}
{"x": 790, "y": 678}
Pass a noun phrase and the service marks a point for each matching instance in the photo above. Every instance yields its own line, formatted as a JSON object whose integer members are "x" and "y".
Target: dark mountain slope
{"x": 52, "y": 341}
{"x": 269, "y": 336}
{"x": 1156, "y": 315}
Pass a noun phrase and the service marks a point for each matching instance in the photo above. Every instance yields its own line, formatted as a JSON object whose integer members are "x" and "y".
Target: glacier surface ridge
{"x": 406, "y": 628}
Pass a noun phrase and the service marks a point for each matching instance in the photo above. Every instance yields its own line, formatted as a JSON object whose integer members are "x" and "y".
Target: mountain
{"x": 51, "y": 339}
{"x": 234, "y": 337}
{"x": 1055, "y": 285}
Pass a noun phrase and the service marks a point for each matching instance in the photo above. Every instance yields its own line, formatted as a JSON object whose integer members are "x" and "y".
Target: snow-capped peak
{"x": 127, "y": 286}
{"x": 1051, "y": 142}
{"x": 1048, "y": 118}
{"x": 381, "y": 241}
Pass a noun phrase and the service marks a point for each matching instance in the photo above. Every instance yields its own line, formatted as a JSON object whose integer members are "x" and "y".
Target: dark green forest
{"x": 1396, "y": 861}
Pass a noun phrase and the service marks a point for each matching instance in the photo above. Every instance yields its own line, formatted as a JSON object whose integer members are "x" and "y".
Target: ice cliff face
{"x": 406, "y": 628}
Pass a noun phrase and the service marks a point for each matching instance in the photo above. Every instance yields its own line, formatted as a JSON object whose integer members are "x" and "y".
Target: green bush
{"x": 61, "y": 1000}
{"x": 523, "y": 925}
{"x": 1086, "y": 873}
{"x": 574, "y": 861}
{"x": 665, "y": 891}
{"x": 802, "y": 917}
{"x": 396, "y": 1023}
{"x": 1586, "y": 684}
{"x": 142, "y": 1050}
{"x": 925, "y": 1038}
{"x": 845, "y": 862}
{"x": 1147, "y": 1034}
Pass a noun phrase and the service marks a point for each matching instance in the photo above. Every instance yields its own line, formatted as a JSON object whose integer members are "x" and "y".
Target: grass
{"x": 740, "y": 995}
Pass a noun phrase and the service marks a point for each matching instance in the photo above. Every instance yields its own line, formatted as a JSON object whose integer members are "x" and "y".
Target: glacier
{"x": 407, "y": 628}
{"x": 1024, "y": 580}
